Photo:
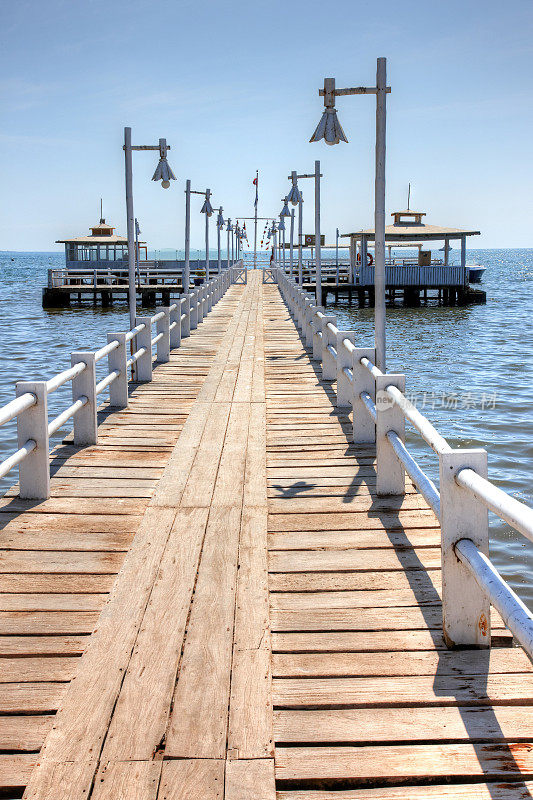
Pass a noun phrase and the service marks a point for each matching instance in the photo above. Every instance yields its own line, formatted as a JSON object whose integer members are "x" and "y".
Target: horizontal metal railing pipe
{"x": 333, "y": 328}
{"x": 516, "y": 616}
{"x": 369, "y": 404}
{"x": 107, "y": 381}
{"x": 136, "y": 356}
{"x": 349, "y": 374}
{"x": 65, "y": 376}
{"x": 160, "y": 315}
{"x": 134, "y": 331}
{"x": 348, "y": 345}
{"x": 16, "y": 406}
{"x": 69, "y": 412}
{"x": 332, "y": 350}
{"x": 8, "y": 464}
{"x": 105, "y": 351}
{"x": 157, "y": 338}
{"x": 173, "y": 325}
{"x": 427, "y": 431}
{"x": 423, "y": 483}
{"x": 371, "y": 367}
{"x": 516, "y": 514}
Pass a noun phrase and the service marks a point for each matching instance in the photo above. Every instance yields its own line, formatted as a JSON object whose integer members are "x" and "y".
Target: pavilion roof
{"x": 411, "y": 232}
{"x": 94, "y": 240}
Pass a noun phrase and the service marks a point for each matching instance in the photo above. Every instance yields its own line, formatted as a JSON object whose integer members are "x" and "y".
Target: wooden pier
{"x": 215, "y": 603}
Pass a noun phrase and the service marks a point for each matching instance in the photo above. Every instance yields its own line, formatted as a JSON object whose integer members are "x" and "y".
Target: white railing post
{"x": 193, "y": 309}
{"x": 210, "y": 290}
{"x": 329, "y": 361}
{"x": 32, "y": 423}
{"x": 84, "y": 384}
{"x": 317, "y": 333}
{"x": 163, "y": 344}
{"x": 144, "y": 339}
{"x": 184, "y": 309}
{"x": 175, "y": 324}
{"x": 201, "y": 304}
{"x": 364, "y": 427}
{"x": 344, "y": 361}
{"x": 389, "y": 417}
{"x": 309, "y": 325}
{"x": 116, "y": 362}
{"x": 465, "y": 606}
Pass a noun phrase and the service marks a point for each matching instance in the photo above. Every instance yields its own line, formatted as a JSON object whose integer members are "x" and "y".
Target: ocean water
{"x": 469, "y": 369}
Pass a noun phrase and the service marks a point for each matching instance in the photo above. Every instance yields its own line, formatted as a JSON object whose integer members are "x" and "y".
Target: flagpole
{"x": 255, "y": 216}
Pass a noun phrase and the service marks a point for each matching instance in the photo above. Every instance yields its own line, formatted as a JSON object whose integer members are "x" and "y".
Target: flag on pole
{"x": 256, "y": 184}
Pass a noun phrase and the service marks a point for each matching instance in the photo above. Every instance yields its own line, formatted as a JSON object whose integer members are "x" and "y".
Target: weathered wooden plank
{"x": 377, "y": 598}
{"x": 55, "y": 582}
{"x": 389, "y": 663}
{"x": 191, "y": 779}
{"x": 134, "y": 780}
{"x": 354, "y": 520}
{"x": 51, "y": 602}
{"x": 57, "y": 561}
{"x": 356, "y": 580}
{"x": 42, "y": 645}
{"x": 337, "y": 560}
{"x": 371, "y": 725}
{"x": 440, "y": 690}
{"x": 369, "y": 641}
{"x": 250, "y": 780}
{"x": 24, "y": 733}
{"x": 37, "y": 668}
{"x": 392, "y": 764}
{"x": 142, "y": 710}
{"x": 47, "y": 622}
{"x": 61, "y": 780}
{"x": 31, "y": 698}
{"x": 199, "y": 718}
{"x": 66, "y": 540}
{"x": 346, "y": 540}
{"x": 512, "y": 790}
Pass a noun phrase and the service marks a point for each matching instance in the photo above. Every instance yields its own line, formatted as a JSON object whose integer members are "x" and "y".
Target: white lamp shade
{"x": 329, "y": 128}
{"x": 163, "y": 171}
{"x": 294, "y": 195}
{"x": 207, "y": 208}
{"x": 285, "y": 210}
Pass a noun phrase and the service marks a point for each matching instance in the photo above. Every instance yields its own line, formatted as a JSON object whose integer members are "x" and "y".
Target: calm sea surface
{"x": 470, "y": 370}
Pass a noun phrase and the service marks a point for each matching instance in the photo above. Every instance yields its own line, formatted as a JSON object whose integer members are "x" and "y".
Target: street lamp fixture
{"x": 163, "y": 172}
{"x": 329, "y": 127}
{"x": 331, "y": 131}
{"x": 285, "y": 210}
{"x": 294, "y": 194}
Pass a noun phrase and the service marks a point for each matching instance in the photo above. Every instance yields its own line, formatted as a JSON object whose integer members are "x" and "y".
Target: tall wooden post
{"x": 300, "y": 237}
{"x": 291, "y": 245}
{"x": 318, "y": 251}
{"x": 186, "y": 277}
{"x": 207, "y": 196}
{"x": 379, "y": 226}
{"x": 130, "y": 223}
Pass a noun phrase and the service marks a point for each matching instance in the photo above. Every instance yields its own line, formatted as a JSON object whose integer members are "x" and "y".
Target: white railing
{"x": 149, "y": 274}
{"x": 30, "y": 407}
{"x": 470, "y": 582}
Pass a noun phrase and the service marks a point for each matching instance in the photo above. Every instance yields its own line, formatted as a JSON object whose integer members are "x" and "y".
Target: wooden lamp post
{"x": 162, "y": 173}
{"x": 330, "y": 129}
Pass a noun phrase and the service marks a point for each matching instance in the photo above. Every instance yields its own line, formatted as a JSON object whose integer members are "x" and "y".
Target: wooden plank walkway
{"x": 253, "y": 619}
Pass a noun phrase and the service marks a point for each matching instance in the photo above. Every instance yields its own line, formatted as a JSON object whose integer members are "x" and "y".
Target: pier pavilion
{"x": 100, "y": 248}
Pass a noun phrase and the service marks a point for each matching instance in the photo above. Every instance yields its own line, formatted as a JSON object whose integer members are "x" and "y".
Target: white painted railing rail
{"x": 470, "y": 582}
{"x": 30, "y": 407}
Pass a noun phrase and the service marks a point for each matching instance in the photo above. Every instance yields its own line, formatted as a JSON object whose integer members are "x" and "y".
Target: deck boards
{"x": 254, "y": 622}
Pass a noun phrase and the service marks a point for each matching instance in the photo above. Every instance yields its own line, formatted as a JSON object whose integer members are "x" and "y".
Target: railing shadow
{"x": 495, "y": 756}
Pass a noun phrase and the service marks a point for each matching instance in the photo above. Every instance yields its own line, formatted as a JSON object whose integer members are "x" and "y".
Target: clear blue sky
{"x": 233, "y": 87}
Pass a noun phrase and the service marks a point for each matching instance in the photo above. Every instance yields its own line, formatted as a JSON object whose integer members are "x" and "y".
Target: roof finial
{"x": 102, "y": 220}
{"x": 409, "y": 197}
